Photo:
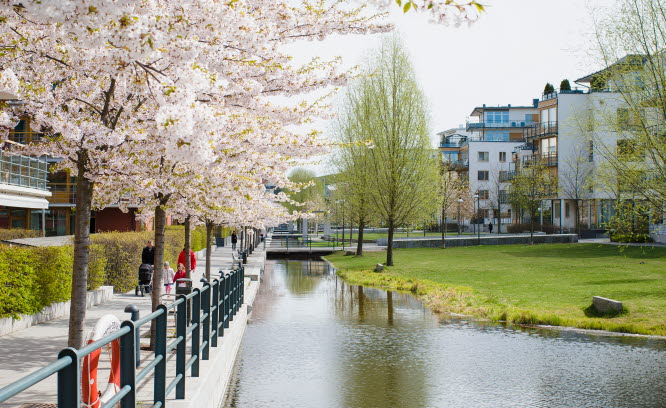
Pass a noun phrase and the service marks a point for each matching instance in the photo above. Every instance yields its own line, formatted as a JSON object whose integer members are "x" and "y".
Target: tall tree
{"x": 452, "y": 189}
{"x": 532, "y": 184}
{"x": 576, "y": 180}
{"x": 393, "y": 113}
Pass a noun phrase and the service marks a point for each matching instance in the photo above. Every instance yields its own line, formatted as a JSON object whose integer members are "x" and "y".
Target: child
{"x": 168, "y": 277}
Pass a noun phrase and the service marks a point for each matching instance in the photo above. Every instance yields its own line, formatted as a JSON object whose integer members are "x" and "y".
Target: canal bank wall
{"x": 209, "y": 389}
{"x": 483, "y": 240}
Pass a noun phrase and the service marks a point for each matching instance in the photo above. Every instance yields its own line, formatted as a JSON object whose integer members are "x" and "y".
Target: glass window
{"x": 528, "y": 118}
{"x": 566, "y": 210}
{"x": 497, "y": 136}
{"x": 482, "y": 175}
{"x": 483, "y": 156}
{"x": 483, "y": 194}
{"x": 502, "y": 157}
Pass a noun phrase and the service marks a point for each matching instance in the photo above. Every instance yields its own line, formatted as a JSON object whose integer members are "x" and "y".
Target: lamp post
{"x": 478, "y": 228}
{"x": 460, "y": 200}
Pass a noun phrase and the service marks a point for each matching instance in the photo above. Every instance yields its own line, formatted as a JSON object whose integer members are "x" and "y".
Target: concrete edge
{"x": 55, "y": 311}
{"x": 210, "y": 388}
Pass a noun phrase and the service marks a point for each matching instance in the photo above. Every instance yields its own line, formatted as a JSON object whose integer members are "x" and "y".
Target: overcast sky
{"x": 504, "y": 58}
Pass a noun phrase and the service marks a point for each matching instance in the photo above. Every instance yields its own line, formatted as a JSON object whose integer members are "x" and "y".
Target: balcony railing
{"x": 452, "y": 145}
{"x": 23, "y": 171}
{"x": 506, "y": 176}
{"x": 547, "y": 159}
{"x": 540, "y": 129}
{"x": 496, "y": 125}
{"x": 457, "y": 164}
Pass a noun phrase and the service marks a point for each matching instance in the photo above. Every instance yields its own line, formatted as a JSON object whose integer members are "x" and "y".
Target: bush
{"x": 565, "y": 85}
{"x": 6, "y": 234}
{"x": 548, "y": 89}
{"x": 17, "y": 280}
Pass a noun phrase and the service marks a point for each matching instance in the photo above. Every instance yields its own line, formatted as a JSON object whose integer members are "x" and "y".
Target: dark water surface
{"x": 315, "y": 341}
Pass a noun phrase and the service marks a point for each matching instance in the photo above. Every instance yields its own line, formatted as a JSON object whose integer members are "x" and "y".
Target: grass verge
{"x": 551, "y": 284}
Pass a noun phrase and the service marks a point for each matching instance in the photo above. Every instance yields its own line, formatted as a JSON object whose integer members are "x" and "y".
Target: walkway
{"x": 30, "y": 349}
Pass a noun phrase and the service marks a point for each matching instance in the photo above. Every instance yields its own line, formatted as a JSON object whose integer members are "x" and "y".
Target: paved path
{"x": 27, "y": 350}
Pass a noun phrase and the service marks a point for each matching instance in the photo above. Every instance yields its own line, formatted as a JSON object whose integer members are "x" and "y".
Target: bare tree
{"x": 576, "y": 181}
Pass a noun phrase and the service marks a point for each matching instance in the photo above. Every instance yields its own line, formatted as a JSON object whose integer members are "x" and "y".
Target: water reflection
{"x": 315, "y": 341}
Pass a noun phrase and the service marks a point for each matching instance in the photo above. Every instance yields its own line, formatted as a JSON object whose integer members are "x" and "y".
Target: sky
{"x": 506, "y": 57}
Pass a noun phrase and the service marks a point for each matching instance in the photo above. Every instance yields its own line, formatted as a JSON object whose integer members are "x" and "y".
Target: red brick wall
{"x": 112, "y": 219}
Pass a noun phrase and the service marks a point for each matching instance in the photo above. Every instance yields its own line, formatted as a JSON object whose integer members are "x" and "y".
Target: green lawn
{"x": 545, "y": 284}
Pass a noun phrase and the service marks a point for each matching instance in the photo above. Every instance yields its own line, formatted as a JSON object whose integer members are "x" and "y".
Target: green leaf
{"x": 479, "y": 7}
{"x": 408, "y": 5}
{"x": 399, "y": 2}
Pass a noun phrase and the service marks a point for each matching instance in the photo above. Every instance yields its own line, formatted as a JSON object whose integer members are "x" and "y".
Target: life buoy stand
{"x": 92, "y": 397}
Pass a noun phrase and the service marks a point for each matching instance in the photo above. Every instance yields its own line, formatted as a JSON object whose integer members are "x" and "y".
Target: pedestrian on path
{"x": 169, "y": 278}
{"x": 234, "y": 240}
{"x": 193, "y": 259}
{"x": 490, "y": 227}
{"x": 181, "y": 272}
{"x": 148, "y": 254}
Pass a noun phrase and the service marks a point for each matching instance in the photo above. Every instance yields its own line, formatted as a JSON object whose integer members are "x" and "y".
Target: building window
{"x": 503, "y": 197}
{"x": 496, "y": 117}
{"x": 483, "y": 175}
{"x": 630, "y": 119}
{"x": 496, "y": 136}
{"x": 483, "y": 156}
{"x": 590, "y": 151}
{"x": 626, "y": 149}
{"x": 502, "y": 157}
{"x": 566, "y": 210}
{"x": 483, "y": 194}
{"x": 486, "y": 213}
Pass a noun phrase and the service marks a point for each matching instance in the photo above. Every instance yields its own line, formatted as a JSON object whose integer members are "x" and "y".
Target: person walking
{"x": 490, "y": 227}
{"x": 180, "y": 274}
{"x": 193, "y": 259}
{"x": 148, "y": 254}
{"x": 234, "y": 240}
{"x": 169, "y": 277}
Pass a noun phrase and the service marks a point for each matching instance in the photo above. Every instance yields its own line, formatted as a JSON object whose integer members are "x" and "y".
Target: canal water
{"x": 315, "y": 341}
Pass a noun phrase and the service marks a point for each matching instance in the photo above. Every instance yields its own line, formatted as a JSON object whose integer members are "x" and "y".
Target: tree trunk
{"x": 77, "y": 308}
{"x": 531, "y": 228}
{"x": 209, "y": 233}
{"x": 188, "y": 245}
{"x": 443, "y": 227}
{"x": 359, "y": 236}
{"x": 389, "y": 249}
{"x": 158, "y": 273}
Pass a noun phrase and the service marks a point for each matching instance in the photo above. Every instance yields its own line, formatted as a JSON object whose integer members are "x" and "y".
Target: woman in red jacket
{"x": 193, "y": 259}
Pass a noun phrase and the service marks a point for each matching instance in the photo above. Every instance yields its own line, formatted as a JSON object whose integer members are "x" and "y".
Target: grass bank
{"x": 549, "y": 284}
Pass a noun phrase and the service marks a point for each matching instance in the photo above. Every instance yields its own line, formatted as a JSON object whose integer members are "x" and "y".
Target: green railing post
{"x": 225, "y": 303}
{"x": 181, "y": 333}
{"x": 196, "y": 331}
{"x": 215, "y": 318}
{"x": 133, "y": 310}
{"x": 159, "y": 377}
{"x": 69, "y": 381}
{"x": 128, "y": 365}
{"x": 242, "y": 286}
{"x": 205, "y": 329}
{"x": 231, "y": 305}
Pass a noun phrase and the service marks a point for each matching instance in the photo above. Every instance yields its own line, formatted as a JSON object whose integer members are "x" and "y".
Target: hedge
{"x": 6, "y": 234}
{"x": 34, "y": 277}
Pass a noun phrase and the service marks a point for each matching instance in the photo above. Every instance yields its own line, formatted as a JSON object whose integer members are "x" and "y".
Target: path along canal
{"x": 315, "y": 341}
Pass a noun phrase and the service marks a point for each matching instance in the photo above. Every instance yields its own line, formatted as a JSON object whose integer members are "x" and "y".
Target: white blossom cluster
{"x": 166, "y": 102}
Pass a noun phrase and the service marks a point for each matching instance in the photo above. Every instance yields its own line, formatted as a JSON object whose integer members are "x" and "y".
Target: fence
{"x": 212, "y": 308}
{"x": 296, "y": 241}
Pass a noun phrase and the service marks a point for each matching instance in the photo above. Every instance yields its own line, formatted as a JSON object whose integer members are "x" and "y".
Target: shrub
{"x": 565, "y": 85}
{"x": 6, "y": 234}
{"x": 524, "y": 227}
{"x": 53, "y": 273}
{"x": 17, "y": 280}
{"x": 548, "y": 89}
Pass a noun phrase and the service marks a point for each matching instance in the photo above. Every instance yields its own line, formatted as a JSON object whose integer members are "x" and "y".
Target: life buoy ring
{"x": 92, "y": 397}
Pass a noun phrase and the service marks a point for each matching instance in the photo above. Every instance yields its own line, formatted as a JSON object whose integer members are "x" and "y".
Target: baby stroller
{"x": 145, "y": 280}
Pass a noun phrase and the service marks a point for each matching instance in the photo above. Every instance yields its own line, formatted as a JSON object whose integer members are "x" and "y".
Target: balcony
{"x": 455, "y": 145}
{"x": 541, "y": 129}
{"x": 457, "y": 164}
{"x": 506, "y": 176}
{"x": 546, "y": 159}
{"x": 23, "y": 171}
{"x": 498, "y": 125}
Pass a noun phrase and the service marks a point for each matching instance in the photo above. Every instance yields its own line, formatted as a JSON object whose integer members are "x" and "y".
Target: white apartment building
{"x": 481, "y": 154}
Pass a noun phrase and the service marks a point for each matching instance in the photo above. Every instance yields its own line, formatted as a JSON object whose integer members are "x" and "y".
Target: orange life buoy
{"x": 92, "y": 397}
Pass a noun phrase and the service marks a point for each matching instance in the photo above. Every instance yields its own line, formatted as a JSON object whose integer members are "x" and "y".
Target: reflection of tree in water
{"x": 303, "y": 277}
{"x": 382, "y": 365}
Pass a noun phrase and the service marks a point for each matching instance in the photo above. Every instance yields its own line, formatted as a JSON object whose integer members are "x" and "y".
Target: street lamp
{"x": 478, "y": 228}
{"x": 460, "y": 200}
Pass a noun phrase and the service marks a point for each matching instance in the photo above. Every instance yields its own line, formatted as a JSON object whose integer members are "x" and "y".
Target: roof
{"x": 627, "y": 60}
{"x": 480, "y": 109}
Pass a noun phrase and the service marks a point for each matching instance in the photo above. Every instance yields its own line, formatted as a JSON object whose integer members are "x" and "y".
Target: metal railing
{"x": 493, "y": 125}
{"x": 296, "y": 241}
{"x": 547, "y": 159}
{"x": 212, "y": 308}
{"x": 540, "y": 129}
{"x": 23, "y": 171}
